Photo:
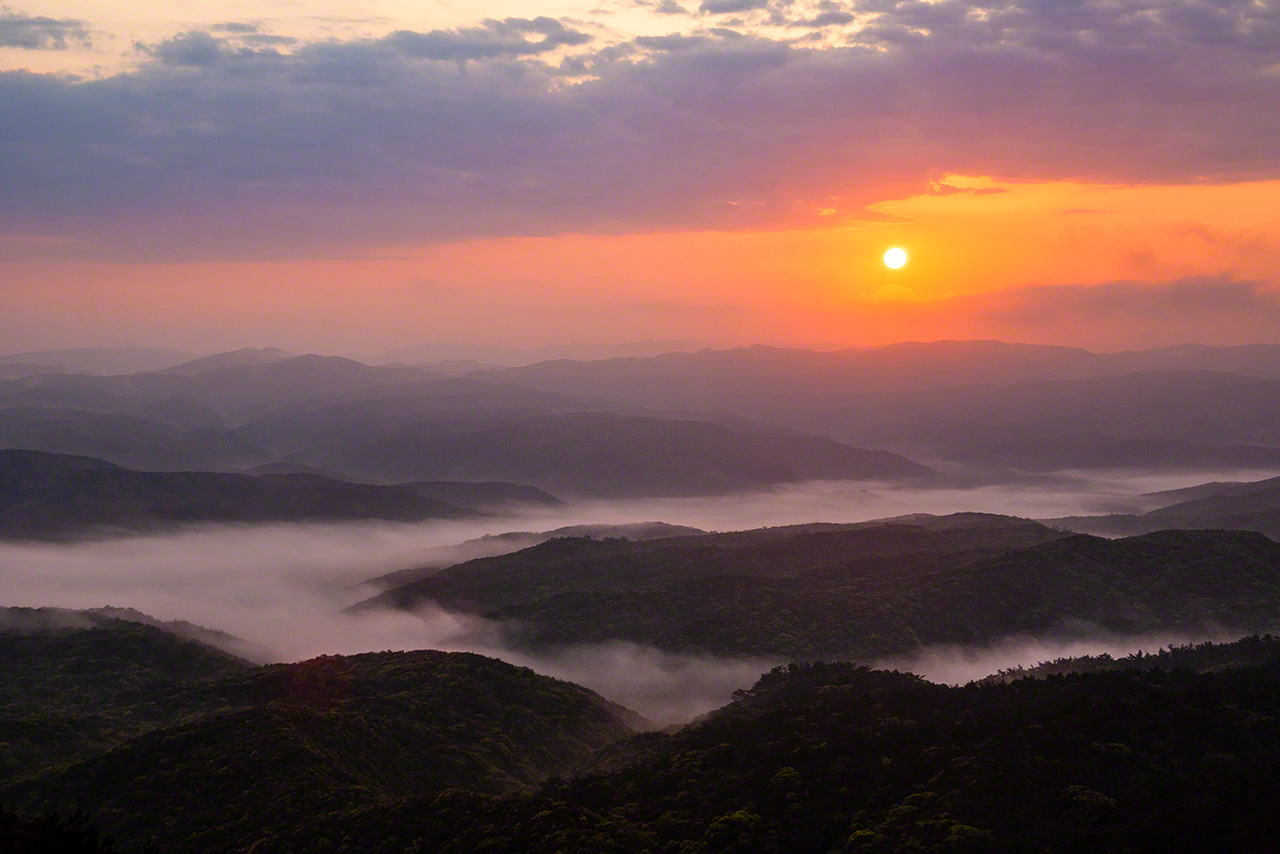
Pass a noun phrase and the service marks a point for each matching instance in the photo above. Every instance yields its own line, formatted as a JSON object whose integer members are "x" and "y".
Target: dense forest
{"x": 863, "y": 591}
{"x": 814, "y": 757}
{"x": 158, "y": 736}
{"x": 835, "y": 757}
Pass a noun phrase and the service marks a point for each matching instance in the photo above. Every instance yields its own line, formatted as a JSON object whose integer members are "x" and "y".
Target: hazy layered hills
{"x": 1238, "y": 506}
{"x": 56, "y": 496}
{"x": 1151, "y": 419}
{"x": 102, "y": 360}
{"x": 982, "y": 402}
{"x": 248, "y": 409}
{"x": 755, "y": 379}
{"x": 243, "y": 357}
{"x": 201, "y": 751}
{"x": 598, "y": 454}
{"x": 231, "y": 393}
{"x": 688, "y": 422}
{"x": 127, "y": 440}
{"x": 863, "y": 591}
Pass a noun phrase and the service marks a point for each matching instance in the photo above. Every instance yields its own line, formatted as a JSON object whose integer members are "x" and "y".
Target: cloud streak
{"x": 1187, "y": 300}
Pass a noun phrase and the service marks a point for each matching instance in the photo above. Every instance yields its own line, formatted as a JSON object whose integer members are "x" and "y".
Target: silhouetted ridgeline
{"x": 46, "y": 496}
{"x": 981, "y": 402}
{"x": 1197, "y": 657}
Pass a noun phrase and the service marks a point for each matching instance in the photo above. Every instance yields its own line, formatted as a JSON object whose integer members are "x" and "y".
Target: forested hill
{"x": 864, "y": 592}
{"x": 826, "y": 758}
{"x": 1198, "y": 657}
{"x": 80, "y": 663}
{"x": 429, "y": 751}
{"x": 580, "y": 564}
{"x": 216, "y": 759}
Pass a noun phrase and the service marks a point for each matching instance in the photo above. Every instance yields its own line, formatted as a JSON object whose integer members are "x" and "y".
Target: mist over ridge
{"x": 281, "y": 587}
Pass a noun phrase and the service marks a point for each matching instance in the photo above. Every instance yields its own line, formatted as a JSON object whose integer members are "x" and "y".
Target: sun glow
{"x": 895, "y": 258}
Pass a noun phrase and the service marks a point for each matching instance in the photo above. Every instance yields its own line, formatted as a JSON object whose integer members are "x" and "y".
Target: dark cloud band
{"x": 215, "y": 146}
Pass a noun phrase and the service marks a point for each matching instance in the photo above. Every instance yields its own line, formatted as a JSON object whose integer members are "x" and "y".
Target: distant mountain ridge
{"x": 984, "y": 402}
{"x": 394, "y": 424}
{"x": 599, "y": 454}
{"x": 233, "y": 359}
{"x": 987, "y": 407}
{"x": 104, "y": 360}
{"x": 1251, "y": 506}
{"x": 53, "y": 496}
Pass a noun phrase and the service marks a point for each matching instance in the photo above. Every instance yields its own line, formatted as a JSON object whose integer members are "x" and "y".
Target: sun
{"x": 895, "y": 258}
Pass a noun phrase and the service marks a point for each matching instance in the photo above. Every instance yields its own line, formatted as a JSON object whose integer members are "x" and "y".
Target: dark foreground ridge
{"x": 160, "y": 737}
{"x": 834, "y": 757}
{"x": 814, "y": 758}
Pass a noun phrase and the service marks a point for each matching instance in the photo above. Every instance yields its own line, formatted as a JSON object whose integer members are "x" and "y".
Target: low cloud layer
{"x": 533, "y": 126}
{"x": 282, "y": 588}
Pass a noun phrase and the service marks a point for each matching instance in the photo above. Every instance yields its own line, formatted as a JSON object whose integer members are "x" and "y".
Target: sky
{"x": 337, "y": 177}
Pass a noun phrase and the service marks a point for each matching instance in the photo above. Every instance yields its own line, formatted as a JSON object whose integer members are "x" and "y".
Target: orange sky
{"x": 795, "y": 287}
{"x": 344, "y": 178}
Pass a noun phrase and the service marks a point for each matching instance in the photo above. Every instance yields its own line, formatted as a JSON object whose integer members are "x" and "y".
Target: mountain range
{"x": 983, "y": 406}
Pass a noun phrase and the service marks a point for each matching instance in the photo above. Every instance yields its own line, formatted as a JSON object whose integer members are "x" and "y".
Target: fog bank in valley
{"x": 281, "y": 588}
{"x": 957, "y": 665}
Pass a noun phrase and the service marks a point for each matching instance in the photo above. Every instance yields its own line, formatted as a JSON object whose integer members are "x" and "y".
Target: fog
{"x": 950, "y": 664}
{"x": 281, "y": 588}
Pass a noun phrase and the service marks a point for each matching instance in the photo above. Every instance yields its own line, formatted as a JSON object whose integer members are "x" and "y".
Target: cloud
{"x": 1214, "y": 310}
{"x": 236, "y": 27}
{"x": 829, "y": 18}
{"x": 31, "y": 32}
{"x": 672, "y": 41}
{"x": 528, "y": 126}
{"x": 193, "y": 48}
{"x": 1191, "y": 299}
{"x": 492, "y": 39}
{"x": 670, "y": 7}
{"x": 727, "y": 7}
